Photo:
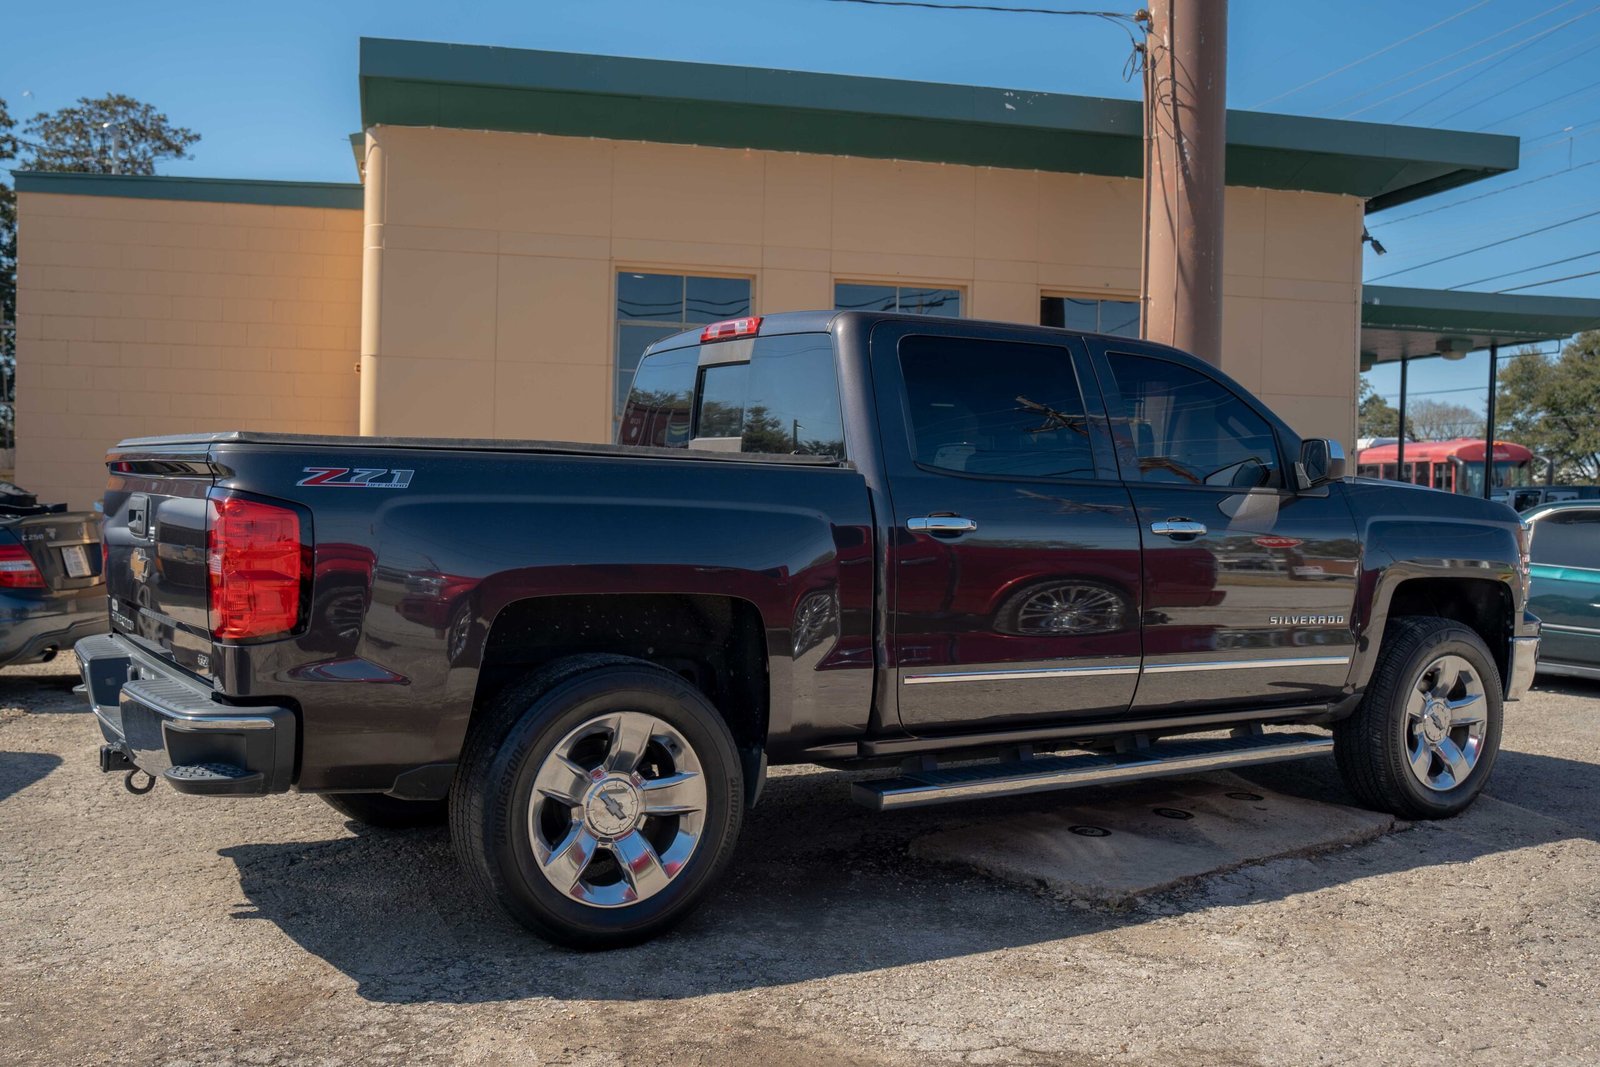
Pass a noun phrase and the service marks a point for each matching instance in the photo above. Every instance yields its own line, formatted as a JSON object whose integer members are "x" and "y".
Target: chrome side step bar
{"x": 919, "y": 788}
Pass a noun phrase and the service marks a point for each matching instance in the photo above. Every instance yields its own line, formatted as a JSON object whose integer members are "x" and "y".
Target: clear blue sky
{"x": 272, "y": 87}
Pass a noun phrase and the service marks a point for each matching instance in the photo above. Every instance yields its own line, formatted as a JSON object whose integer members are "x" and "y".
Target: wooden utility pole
{"x": 1185, "y": 142}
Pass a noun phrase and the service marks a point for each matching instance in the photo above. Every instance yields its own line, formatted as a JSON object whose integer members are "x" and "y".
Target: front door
{"x": 1249, "y": 585}
{"x": 1013, "y": 565}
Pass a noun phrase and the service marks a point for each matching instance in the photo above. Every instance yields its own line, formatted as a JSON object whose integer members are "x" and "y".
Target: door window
{"x": 1189, "y": 429}
{"x": 1567, "y": 539}
{"x": 995, "y": 408}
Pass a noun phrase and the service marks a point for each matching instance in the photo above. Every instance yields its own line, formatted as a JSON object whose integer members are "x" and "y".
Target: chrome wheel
{"x": 618, "y": 807}
{"x": 1071, "y": 609}
{"x": 1444, "y": 723}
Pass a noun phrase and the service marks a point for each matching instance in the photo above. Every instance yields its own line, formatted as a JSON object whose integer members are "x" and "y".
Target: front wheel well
{"x": 715, "y": 642}
{"x": 1481, "y": 604}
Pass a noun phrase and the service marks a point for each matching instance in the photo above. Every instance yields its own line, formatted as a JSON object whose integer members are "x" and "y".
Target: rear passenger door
{"x": 1566, "y": 584}
{"x": 1248, "y": 583}
{"x": 1013, "y": 555}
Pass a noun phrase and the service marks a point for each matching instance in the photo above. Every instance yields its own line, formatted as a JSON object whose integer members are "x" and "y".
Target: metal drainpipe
{"x": 1488, "y": 430}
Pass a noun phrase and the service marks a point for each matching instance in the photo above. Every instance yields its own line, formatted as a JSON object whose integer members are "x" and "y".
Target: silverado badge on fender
{"x": 356, "y": 477}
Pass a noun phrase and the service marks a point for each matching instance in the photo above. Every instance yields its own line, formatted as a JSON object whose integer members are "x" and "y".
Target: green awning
{"x": 417, "y": 83}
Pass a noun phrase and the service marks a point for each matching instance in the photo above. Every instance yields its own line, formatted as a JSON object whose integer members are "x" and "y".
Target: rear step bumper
{"x": 915, "y": 789}
{"x": 172, "y": 729}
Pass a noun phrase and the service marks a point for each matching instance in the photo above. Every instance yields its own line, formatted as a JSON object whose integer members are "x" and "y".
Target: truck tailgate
{"x": 155, "y": 533}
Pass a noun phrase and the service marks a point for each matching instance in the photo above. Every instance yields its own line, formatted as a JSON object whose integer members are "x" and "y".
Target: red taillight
{"x": 727, "y": 329}
{"x": 255, "y": 562}
{"x": 17, "y": 569}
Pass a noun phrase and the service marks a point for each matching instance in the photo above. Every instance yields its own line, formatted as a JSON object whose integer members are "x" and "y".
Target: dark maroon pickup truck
{"x": 849, "y": 539}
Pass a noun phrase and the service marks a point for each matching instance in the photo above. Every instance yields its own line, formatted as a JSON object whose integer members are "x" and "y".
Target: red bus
{"x": 1454, "y": 466}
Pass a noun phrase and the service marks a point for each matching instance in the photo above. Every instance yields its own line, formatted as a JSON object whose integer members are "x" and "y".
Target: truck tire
{"x": 597, "y": 801}
{"x": 1423, "y": 740}
{"x": 380, "y": 809}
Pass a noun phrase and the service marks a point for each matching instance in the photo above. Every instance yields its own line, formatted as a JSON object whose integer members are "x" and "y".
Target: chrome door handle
{"x": 941, "y": 524}
{"x": 1178, "y": 528}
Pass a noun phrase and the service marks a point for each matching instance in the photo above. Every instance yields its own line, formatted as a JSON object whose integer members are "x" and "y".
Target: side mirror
{"x": 1321, "y": 461}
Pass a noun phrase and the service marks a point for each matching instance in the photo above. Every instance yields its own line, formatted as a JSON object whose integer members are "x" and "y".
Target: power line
{"x": 1543, "y": 69}
{"x": 1524, "y": 270}
{"x": 1373, "y": 55}
{"x": 1552, "y": 281}
{"x": 1485, "y": 196}
{"x": 1413, "y": 71}
{"x": 1491, "y": 244}
{"x": 1536, "y": 107}
{"x": 1465, "y": 66}
{"x": 1544, "y": 66}
{"x": 1118, "y": 15}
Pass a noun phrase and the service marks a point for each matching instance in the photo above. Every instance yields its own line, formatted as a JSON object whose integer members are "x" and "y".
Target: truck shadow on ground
{"x": 817, "y": 889}
{"x": 19, "y": 770}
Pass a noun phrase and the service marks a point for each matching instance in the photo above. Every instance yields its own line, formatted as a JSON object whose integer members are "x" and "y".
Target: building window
{"x": 653, "y": 306}
{"x": 906, "y": 299}
{"x": 1119, "y": 318}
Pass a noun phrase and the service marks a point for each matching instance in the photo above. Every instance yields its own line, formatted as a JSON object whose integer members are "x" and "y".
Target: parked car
{"x": 1528, "y": 497}
{"x": 52, "y": 591}
{"x": 1565, "y": 592}
{"x": 854, "y": 539}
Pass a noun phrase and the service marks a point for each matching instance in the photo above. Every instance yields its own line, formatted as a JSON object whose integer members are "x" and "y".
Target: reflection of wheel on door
{"x": 1067, "y": 607}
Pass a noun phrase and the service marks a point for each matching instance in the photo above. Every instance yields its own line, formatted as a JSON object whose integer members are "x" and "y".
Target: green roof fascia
{"x": 212, "y": 190}
{"x": 416, "y": 83}
{"x": 1507, "y": 317}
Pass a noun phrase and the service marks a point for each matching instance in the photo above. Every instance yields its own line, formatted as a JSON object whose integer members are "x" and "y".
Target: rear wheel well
{"x": 715, "y": 642}
{"x": 1481, "y": 604}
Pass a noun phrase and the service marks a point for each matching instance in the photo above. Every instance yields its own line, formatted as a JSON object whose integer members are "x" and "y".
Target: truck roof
{"x": 823, "y": 321}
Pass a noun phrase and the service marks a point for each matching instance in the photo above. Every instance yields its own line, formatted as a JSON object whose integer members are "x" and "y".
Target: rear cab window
{"x": 775, "y": 395}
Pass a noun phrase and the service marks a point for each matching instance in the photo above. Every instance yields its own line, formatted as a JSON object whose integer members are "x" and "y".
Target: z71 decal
{"x": 356, "y": 477}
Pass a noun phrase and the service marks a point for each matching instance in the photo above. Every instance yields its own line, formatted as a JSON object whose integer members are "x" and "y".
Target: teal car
{"x": 1566, "y": 586}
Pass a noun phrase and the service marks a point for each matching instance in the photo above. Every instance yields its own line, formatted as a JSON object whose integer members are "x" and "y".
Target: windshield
{"x": 1507, "y": 473}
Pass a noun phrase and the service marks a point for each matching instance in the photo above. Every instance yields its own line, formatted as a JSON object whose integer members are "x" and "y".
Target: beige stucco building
{"x": 526, "y": 222}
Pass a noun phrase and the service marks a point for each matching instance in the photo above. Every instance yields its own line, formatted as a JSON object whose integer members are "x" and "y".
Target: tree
{"x": 1377, "y": 417}
{"x": 8, "y": 281}
{"x": 112, "y": 134}
{"x": 1552, "y": 405}
{"x": 1438, "y": 420}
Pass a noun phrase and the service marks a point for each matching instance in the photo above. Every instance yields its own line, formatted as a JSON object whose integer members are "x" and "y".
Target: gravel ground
{"x": 165, "y": 929}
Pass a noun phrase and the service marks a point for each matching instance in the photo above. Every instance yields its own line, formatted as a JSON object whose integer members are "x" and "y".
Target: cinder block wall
{"x": 142, "y": 316}
{"x": 491, "y": 261}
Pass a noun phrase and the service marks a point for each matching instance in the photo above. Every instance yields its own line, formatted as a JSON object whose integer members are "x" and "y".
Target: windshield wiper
{"x": 1053, "y": 419}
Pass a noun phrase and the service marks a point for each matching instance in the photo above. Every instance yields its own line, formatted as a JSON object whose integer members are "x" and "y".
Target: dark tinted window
{"x": 659, "y": 404}
{"x": 991, "y": 407}
{"x": 784, "y": 400}
{"x": 1567, "y": 539}
{"x": 1188, "y": 429}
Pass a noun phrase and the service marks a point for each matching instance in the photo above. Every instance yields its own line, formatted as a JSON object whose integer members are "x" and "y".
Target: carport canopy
{"x": 1402, "y": 324}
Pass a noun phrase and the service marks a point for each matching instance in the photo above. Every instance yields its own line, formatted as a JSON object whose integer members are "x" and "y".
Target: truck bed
{"x": 168, "y": 442}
